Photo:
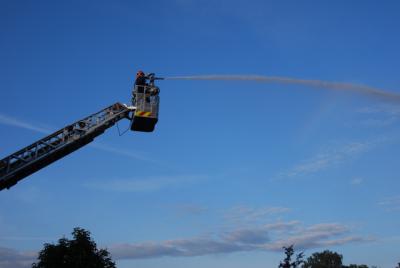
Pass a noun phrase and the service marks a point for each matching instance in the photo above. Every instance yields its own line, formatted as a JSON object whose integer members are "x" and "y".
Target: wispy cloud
{"x": 10, "y": 258}
{"x": 260, "y": 238}
{"x": 329, "y": 158}
{"x": 14, "y": 122}
{"x": 391, "y": 203}
{"x": 190, "y": 209}
{"x": 143, "y": 185}
{"x": 248, "y": 215}
{"x": 356, "y": 181}
{"x": 379, "y": 122}
{"x": 380, "y": 115}
{"x": 122, "y": 152}
{"x": 317, "y": 236}
{"x": 386, "y": 108}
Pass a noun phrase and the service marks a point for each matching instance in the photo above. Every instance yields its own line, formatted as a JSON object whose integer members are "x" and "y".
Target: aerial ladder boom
{"x": 30, "y": 159}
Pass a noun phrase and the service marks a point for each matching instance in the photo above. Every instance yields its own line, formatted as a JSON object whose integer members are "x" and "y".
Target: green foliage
{"x": 325, "y": 259}
{"x": 80, "y": 252}
{"x": 287, "y": 262}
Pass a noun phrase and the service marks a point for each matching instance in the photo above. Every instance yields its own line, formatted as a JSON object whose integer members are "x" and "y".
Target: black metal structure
{"x": 30, "y": 159}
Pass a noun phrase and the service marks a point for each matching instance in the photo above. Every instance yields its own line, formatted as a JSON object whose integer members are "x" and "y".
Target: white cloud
{"x": 244, "y": 214}
{"x": 356, "y": 181}
{"x": 10, "y": 258}
{"x": 259, "y": 238}
{"x": 253, "y": 236}
{"x": 379, "y": 122}
{"x": 14, "y": 122}
{"x": 388, "y": 109}
{"x": 190, "y": 209}
{"x": 381, "y": 115}
{"x": 391, "y": 203}
{"x": 329, "y": 158}
{"x": 122, "y": 152}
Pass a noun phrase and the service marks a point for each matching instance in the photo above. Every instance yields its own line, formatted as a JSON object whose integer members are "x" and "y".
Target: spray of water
{"x": 349, "y": 87}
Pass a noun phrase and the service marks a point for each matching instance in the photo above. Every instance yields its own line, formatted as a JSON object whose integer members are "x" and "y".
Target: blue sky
{"x": 235, "y": 170}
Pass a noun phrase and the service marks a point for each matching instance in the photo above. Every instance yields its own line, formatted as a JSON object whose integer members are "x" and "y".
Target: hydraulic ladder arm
{"x": 32, "y": 158}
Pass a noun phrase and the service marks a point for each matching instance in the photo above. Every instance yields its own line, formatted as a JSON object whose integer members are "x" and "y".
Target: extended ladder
{"x": 30, "y": 159}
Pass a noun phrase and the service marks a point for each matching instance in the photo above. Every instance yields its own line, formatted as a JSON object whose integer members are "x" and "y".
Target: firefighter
{"x": 140, "y": 81}
{"x": 139, "y": 87}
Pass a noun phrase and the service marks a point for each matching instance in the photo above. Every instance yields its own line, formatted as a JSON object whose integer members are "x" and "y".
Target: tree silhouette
{"x": 80, "y": 252}
{"x": 287, "y": 262}
{"x": 325, "y": 259}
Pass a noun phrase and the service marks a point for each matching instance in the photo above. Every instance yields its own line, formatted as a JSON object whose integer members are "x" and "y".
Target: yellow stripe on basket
{"x": 142, "y": 113}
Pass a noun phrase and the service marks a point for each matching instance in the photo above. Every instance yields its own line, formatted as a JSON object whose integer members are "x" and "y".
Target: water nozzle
{"x": 152, "y": 77}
